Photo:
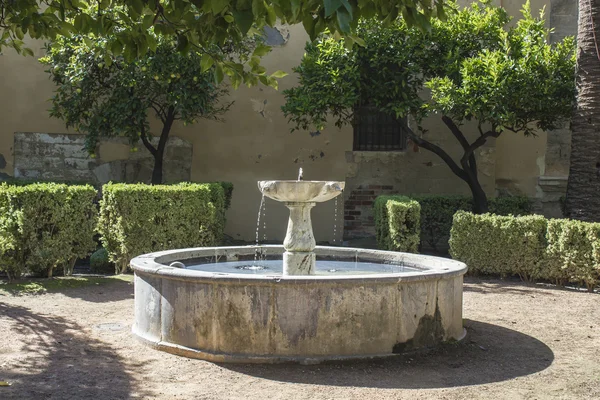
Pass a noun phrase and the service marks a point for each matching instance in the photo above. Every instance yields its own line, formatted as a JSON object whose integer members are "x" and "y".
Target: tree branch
{"x": 159, "y": 110}
{"x": 164, "y": 135}
{"x": 438, "y": 151}
{"x": 146, "y": 142}
{"x": 480, "y": 141}
{"x": 468, "y": 163}
{"x": 456, "y": 132}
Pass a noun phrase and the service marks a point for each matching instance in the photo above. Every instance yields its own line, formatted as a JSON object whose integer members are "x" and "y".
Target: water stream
{"x": 260, "y": 211}
{"x": 336, "y": 220}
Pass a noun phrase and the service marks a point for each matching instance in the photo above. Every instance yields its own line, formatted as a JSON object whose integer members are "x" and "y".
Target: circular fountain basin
{"x": 301, "y": 191}
{"x": 226, "y": 307}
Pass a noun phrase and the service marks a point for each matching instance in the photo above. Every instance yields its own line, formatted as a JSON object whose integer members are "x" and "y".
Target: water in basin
{"x": 323, "y": 267}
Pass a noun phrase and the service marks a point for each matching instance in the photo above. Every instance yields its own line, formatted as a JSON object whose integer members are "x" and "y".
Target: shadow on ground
{"x": 489, "y": 286}
{"x": 92, "y": 288}
{"x": 513, "y": 285}
{"x": 58, "y": 361}
{"x": 489, "y": 353}
{"x": 109, "y": 291}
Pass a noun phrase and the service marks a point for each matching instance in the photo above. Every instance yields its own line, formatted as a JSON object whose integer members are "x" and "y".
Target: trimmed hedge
{"x": 397, "y": 220}
{"x": 558, "y": 250}
{"x": 504, "y": 245}
{"x": 45, "y": 225}
{"x": 573, "y": 252}
{"x": 228, "y": 192}
{"x": 99, "y": 262}
{"x": 137, "y": 218}
{"x": 437, "y": 213}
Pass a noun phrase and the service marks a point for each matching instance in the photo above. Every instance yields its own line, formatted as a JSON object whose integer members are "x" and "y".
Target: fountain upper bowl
{"x": 301, "y": 191}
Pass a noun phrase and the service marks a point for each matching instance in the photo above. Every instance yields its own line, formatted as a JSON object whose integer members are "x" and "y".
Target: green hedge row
{"x": 436, "y": 214}
{"x": 44, "y": 226}
{"x": 138, "y": 219}
{"x": 557, "y": 250}
{"x": 397, "y": 223}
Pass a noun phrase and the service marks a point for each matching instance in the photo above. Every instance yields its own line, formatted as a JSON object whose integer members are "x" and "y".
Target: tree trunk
{"x": 467, "y": 170}
{"x": 480, "y": 201}
{"x": 69, "y": 266}
{"x": 157, "y": 172}
{"x": 121, "y": 268}
{"x": 159, "y": 151}
{"x": 583, "y": 188}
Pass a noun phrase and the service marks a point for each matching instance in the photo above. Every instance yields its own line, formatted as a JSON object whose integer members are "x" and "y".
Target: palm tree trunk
{"x": 583, "y": 188}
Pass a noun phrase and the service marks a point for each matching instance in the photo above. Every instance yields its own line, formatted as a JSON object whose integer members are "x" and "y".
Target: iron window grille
{"x": 378, "y": 131}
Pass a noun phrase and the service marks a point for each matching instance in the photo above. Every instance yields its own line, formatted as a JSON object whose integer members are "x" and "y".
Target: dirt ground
{"x": 524, "y": 342}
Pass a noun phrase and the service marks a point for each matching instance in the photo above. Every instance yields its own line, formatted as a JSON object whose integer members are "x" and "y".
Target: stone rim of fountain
{"x": 164, "y": 323}
{"x": 293, "y": 316}
{"x": 158, "y": 263}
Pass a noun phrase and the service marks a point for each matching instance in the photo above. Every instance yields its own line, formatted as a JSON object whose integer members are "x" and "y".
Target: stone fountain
{"x": 300, "y": 197}
{"x": 301, "y": 303}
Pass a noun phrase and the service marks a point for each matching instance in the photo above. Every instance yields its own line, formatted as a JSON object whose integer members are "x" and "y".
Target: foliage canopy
{"x": 469, "y": 67}
{"x": 107, "y": 95}
{"x": 474, "y": 66}
{"x": 201, "y": 24}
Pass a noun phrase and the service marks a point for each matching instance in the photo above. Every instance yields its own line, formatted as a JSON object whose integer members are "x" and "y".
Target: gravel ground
{"x": 524, "y": 342}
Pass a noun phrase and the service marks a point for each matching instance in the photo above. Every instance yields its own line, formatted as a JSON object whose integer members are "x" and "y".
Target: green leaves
{"x": 164, "y": 217}
{"x": 512, "y": 83}
{"x": 103, "y": 96}
{"x": 397, "y": 223}
{"x": 244, "y": 20}
{"x": 500, "y": 245}
{"x": 296, "y": 7}
{"x": 218, "y": 5}
{"x": 344, "y": 18}
{"x": 271, "y": 16}
{"x": 218, "y": 74}
{"x": 261, "y": 50}
{"x": 556, "y": 250}
{"x": 475, "y": 68}
{"x": 331, "y": 6}
{"x": 201, "y": 20}
{"x": 206, "y": 62}
{"x": 44, "y": 225}
{"x": 279, "y": 74}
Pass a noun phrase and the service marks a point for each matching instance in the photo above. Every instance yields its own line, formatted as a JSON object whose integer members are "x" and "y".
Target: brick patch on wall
{"x": 359, "y": 221}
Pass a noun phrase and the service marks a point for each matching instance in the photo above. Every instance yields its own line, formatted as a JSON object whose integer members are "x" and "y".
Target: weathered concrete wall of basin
{"x": 252, "y": 318}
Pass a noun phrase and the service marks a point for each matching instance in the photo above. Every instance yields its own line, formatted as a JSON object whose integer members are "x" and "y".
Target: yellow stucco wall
{"x": 254, "y": 142}
{"x": 24, "y": 93}
{"x": 519, "y": 159}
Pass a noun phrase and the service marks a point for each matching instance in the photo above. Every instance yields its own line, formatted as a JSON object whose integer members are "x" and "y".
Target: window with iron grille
{"x": 377, "y": 131}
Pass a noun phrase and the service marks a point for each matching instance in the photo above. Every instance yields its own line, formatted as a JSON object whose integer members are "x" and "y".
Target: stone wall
{"x": 371, "y": 174}
{"x": 552, "y": 183}
{"x": 63, "y": 157}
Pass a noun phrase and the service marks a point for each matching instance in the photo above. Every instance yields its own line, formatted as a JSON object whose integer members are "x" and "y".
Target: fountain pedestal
{"x": 300, "y": 197}
{"x": 299, "y": 242}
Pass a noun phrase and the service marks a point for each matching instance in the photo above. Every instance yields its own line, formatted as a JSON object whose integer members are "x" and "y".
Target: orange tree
{"x": 112, "y": 96}
{"x": 475, "y": 68}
